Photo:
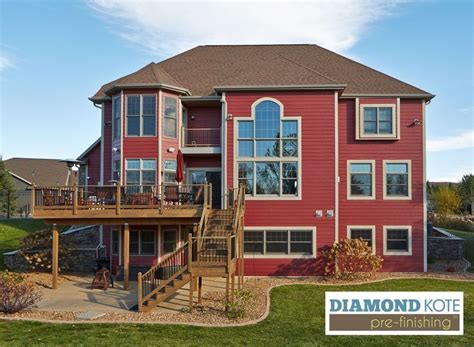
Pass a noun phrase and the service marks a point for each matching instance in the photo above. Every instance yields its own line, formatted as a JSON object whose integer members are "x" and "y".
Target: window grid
{"x": 297, "y": 242}
{"x": 377, "y": 120}
{"x": 170, "y": 117}
{"x": 397, "y": 179}
{"x": 140, "y": 172}
{"x": 117, "y": 112}
{"x": 139, "y": 242}
{"x": 141, "y": 115}
{"x": 361, "y": 176}
{"x": 362, "y": 233}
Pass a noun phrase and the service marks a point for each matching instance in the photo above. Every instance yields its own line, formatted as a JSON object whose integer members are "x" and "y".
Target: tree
{"x": 7, "y": 189}
{"x": 466, "y": 193}
{"x": 446, "y": 200}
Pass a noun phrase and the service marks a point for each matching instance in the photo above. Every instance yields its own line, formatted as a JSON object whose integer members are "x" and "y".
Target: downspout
{"x": 336, "y": 167}
{"x": 224, "y": 151}
{"x": 101, "y": 166}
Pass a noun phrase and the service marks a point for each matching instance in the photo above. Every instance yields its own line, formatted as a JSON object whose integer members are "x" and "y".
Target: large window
{"x": 141, "y": 115}
{"x": 267, "y": 152}
{"x": 366, "y": 233}
{"x": 170, "y": 117}
{"x": 116, "y": 170}
{"x": 115, "y": 242}
{"x": 397, "y": 240}
{"x": 169, "y": 241}
{"x": 397, "y": 179}
{"x": 377, "y": 121}
{"x": 279, "y": 242}
{"x": 116, "y": 115}
{"x": 361, "y": 179}
{"x": 169, "y": 171}
{"x": 140, "y": 171}
{"x": 142, "y": 242}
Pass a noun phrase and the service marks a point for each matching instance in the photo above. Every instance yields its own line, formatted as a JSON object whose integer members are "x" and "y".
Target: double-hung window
{"x": 140, "y": 172}
{"x": 268, "y": 152}
{"x": 377, "y": 121}
{"x": 141, "y": 115}
{"x": 361, "y": 179}
{"x": 397, "y": 240}
{"x": 169, "y": 171}
{"x": 366, "y": 233}
{"x": 397, "y": 179}
{"x": 277, "y": 242}
{"x": 142, "y": 242}
{"x": 170, "y": 117}
{"x": 116, "y": 116}
{"x": 116, "y": 170}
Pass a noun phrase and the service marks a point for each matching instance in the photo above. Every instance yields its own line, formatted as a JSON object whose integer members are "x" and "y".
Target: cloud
{"x": 5, "y": 63}
{"x": 461, "y": 141}
{"x": 166, "y": 28}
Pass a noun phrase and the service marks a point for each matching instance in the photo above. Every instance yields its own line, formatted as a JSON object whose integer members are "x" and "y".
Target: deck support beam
{"x": 199, "y": 289}
{"x": 126, "y": 255}
{"x": 55, "y": 257}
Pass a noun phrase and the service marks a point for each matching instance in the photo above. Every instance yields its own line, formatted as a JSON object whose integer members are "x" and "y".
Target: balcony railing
{"x": 201, "y": 137}
{"x": 118, "y": 199}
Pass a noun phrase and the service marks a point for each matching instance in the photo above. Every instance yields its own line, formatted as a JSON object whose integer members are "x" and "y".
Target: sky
{"x": 56, "y": 54}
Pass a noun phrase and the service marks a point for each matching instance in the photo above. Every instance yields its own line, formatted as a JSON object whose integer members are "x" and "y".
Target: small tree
{"x": 17, "y": 293}
{"x": 446, "y": 200}
{"x": 7, "y": 189}
{"x": 466, "y": 193}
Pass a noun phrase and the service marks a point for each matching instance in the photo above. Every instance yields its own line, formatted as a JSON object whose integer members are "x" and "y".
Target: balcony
{"x": 109, "y": 204}
{"x": 201, "y": 140}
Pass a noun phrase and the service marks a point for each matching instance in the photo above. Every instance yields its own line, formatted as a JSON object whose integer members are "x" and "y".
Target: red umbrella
{"x": 179, "y": 166}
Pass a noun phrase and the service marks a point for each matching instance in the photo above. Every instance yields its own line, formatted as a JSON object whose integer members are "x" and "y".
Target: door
{"x": 214, "y": 177}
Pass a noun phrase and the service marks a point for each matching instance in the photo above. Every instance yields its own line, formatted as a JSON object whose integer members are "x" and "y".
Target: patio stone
{"x": 89, "y": 315}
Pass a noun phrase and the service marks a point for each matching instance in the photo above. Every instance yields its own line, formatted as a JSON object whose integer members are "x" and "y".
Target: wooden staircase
{"x": 212, "y": 250}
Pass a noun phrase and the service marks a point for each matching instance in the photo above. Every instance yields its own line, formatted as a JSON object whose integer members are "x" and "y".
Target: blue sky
{"x": 55, "y": 54}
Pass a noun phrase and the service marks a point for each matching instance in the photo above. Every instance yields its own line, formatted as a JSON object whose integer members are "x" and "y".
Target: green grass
{"x": 468, "y": 237}
{"x": 12, "y": 231}
{"x": 296, "y": 318}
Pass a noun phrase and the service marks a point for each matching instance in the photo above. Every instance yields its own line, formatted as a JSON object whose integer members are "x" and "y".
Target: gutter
{"x": 404, "y": 96}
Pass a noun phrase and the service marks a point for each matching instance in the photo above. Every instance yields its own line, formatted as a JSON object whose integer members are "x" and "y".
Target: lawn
{"x": 296, "y": 318}
{"x": 13, "y": 230}
{"x": 468, "y": 245}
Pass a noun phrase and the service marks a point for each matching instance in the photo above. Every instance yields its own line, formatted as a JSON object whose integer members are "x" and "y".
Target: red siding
{"x": 107, "y": 142}
{"x": 93, "y": 165}
{"x": 202, "y": 161}
{"x": 316, "y": 110}
{"x": 204, "y": 117}
{"x": 381, "y": 212}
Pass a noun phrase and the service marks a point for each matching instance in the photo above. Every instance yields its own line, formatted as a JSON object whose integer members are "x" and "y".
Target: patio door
{"x": 213, "y": 176}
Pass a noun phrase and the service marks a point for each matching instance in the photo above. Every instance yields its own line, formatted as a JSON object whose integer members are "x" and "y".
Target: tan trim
{"x": 102, "y": 146}
{"x": 395, "y": 135}
{"x": 122, "y": 135}
{"x": 117, "y": 87}
{"x": 336, "y": 167}
{"x": 254, "y": 160}
{"x": 360, "y": 227}
{"x": 349, "y": 196}
{"x": 178, "y": 103}
{"x": 402, "y": 253}
{"x": 397, "y": 161}
{"x": 224, "y": 151}
{"x": 279, "y": 256}
{"x": 160, "y": 138}
{"x": 425, "y": 202}
{"x": 404, "y": 96}
{"x": 140, "y": 116}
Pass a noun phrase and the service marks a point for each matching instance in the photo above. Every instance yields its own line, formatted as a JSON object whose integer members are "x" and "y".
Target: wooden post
{"x": 33, "y": 200}
{"x": 206, "y": 191}
{"x": 140, "y": 292}
{"x": 55, "y": 259}
{"x": 232, "y": 287}
{"x": 190, "y": 264}
{"x": 199, "y": 288}
{"x": 210, "y": 195}
{"x": 191, "y": 280}
{"x": 118, "y": 198}
{"x": 227, "y": 292}
{"x": 74, "y": 200}
{"x": 162, "y": 197}
{"x": 126, "y": 255}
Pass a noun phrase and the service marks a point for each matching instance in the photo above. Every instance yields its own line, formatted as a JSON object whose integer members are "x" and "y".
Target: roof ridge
{"x": 307, "y": 68}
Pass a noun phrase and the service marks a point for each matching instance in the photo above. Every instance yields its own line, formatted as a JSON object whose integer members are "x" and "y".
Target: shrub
{"x": 446, "y": 200}
{"x": 17, "y": 293}
{"x": 451, "y": 222}
{"x": 350, "y": 259}
{"x": 236, "y": 309}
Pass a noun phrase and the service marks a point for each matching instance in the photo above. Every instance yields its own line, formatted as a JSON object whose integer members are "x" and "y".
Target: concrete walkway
{"x": 74, "y": 294}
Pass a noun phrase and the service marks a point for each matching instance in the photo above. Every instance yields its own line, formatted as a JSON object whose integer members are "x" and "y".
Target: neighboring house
{"x": 89, "y": 171}
{"x": 28, "y": 171}
{"x": 327, "y": 147}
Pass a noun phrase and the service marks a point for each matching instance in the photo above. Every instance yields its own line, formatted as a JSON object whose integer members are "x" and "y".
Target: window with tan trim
{"x": 397, "y": 179}
{"x": 377, "y": 121}
{"x": 361, "y": 179}
{"x": 364, "y": 232}
{"x": 397, "y": 240}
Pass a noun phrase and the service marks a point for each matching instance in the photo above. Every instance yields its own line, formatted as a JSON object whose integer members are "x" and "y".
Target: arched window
{"x": 267, "y": 151}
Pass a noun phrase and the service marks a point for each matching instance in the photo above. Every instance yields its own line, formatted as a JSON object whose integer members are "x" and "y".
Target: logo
{"x": 394, "y": 313}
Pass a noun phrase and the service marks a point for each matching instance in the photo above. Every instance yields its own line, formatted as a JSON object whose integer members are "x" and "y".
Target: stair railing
{"x": 162, "y": 274}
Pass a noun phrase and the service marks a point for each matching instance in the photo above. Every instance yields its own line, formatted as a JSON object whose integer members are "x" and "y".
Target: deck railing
{"x": 120, "y": 197}
{"x": 201, "y": 137}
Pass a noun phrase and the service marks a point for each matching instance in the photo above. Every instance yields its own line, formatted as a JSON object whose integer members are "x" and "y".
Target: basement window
{"x": 279, "y": 243}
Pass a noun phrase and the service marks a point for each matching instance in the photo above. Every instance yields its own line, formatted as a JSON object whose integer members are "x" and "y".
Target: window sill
{"x": 273, "y": 197}
{"x": 361, "y": 198}
{"x": 397, "y": 198}
{"x": 278, "y": 256}
{"x": 378, "y": 138}
{"x": 389, "y": 253}
{"x": 140, "y": 136}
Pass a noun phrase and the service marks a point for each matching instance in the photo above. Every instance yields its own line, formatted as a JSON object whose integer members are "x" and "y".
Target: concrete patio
{"x": 74, "y": 293}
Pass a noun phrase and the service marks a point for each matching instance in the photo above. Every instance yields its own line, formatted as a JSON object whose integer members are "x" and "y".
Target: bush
{"x": 350, "y": 259}
{"x": 17, "y": 293}
{"x": 446, "y": 200}
{"x": 451, "y": 222}
{"x": 236, "y": 309}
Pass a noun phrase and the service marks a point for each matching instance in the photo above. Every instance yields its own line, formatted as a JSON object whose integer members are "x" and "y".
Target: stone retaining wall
{"x": 445, "y": 246}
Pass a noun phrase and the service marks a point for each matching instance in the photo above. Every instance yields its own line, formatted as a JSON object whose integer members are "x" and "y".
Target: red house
{"x": 327, "y": 149}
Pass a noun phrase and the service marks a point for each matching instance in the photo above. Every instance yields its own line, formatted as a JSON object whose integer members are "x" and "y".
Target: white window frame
{"x": 364, "y": 227}
{"x": 164, "y": 117}
{"x": 282, "y": 256}
{"x": 361, "y": 135}
{"x": 165, "y": 170}
{"x": 298, "y": 159}
{"x": 140, "y": 243}
{"x": 114, "y": 101}
{"x": 361, "y": 197}
{"x": 140, "y": 116}
{"x": 140, "y": 169}
{"x": 410, "y": 243}
{"x": 395, "y": 197}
